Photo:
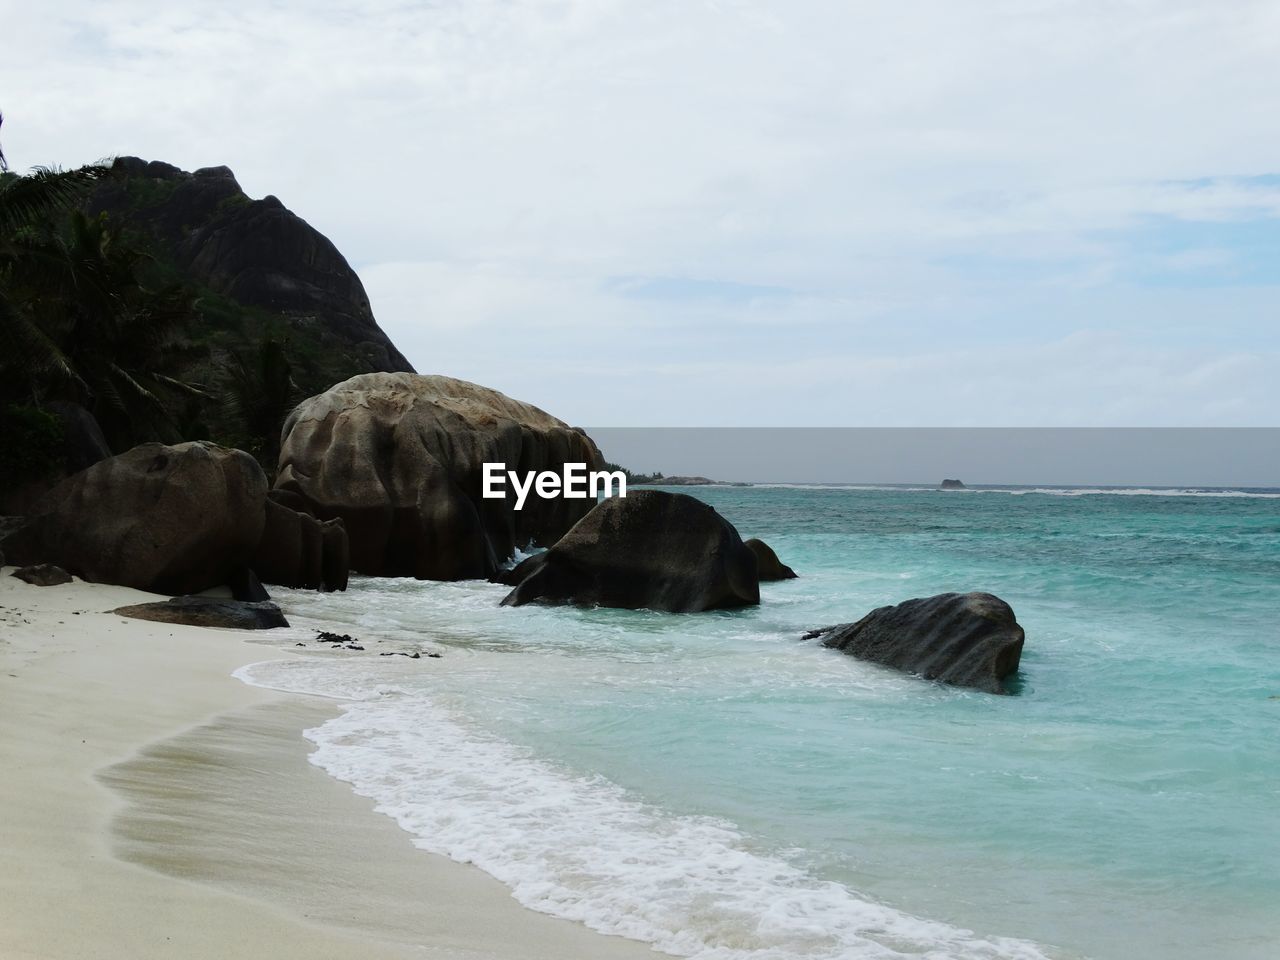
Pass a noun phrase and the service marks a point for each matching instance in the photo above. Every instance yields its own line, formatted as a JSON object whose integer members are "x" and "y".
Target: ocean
{"x": 714, "y": 785}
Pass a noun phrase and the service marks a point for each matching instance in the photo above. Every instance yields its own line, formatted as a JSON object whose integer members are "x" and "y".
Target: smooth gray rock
{"x": 963, "y": 639}
{"x": 651, "y": 549}
{"x": 768, "y": 566}
{"x": 209, "y": 612}
{"x": 166, "y": 519}
{"x": 399, "y": 458}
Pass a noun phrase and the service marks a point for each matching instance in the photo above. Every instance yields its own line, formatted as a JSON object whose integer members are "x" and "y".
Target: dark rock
{"x": 209, "y": 612}
{"x": 245, "y": 585}
{"x": 334, "y": 637}
{"x": 335, "y": 556}
{"x": 965, "y": 639}
{"x": 768, "y": 566}
{"x": 952, "y": 485}
{"x": 399, "y": 458}
{"x": 254, "y": 252}
{"x": 177, "y": 519}
{"x": 514, "y": 576}
{"x": 297, "y": 550}
{"x": 654, "y": 549}
{"x": 83, "y": 444}
{"x": 43, "y": 575}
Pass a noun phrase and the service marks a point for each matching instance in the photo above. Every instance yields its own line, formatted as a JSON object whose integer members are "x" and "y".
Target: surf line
{"x": 575, "y": 482}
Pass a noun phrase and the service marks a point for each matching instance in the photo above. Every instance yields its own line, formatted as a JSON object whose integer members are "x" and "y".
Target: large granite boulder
{"x": 768, "y": 566}
{"x": 256, "y": 253}
{"x": 652, "y": 549}
{"x": 167, "y": 519}
{"x": 399, "y": 458}
{"x": 209, "y": 612}
{"x": 964, "y": 639}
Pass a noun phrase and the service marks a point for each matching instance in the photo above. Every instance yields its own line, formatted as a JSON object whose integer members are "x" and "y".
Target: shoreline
{"x": 156, "y": 805}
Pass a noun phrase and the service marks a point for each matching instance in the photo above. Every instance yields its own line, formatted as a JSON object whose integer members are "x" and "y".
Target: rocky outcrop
{"x": 209, "y": 612}
{"x": 652, "y": 549}
{"x": 399, "y": 459}
{"x": 297, "y": 550}
{"x": 768, "y": 566}
{"x": 256, "y": 253}
{"x": 167, "y": 519}
{"x": 950, "y": 484}
{"x": 43, "y": 575}
{"x": 964, "y": 639}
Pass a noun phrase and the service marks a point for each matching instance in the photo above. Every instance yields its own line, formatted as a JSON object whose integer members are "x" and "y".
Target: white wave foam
{"x": 582, "y": 849}
{"x": 1046, "y": 491}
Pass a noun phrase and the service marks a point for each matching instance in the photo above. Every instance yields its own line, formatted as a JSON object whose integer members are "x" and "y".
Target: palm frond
{"x": 42, "y": 193}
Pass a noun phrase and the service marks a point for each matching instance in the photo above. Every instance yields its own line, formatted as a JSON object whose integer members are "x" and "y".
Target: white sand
{"x": 153, "y": 806}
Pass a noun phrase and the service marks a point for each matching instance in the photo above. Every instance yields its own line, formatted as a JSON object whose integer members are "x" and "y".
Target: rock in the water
{"x": 399, "y": 458}
{"x": 164, "y": 519}
{"x": 209, "y": 612}
{"x": 768, "y": 566}
{"x": 654, "y": 549}
{"x": 965, "y": 639}
{"x": 43, "y": 575}
{"x": 950, "y": 484}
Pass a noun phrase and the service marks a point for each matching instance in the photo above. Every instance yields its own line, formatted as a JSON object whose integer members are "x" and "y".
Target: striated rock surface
{"x": 297, "y": 550}
{"x": 964, "y": 639}
{"x": 768, "y": 566}
{"x": 653, "y": 549}
{"x": 167, "y": 519}
{"x": 209, "y": 612}
{"x": 399, "y": 459}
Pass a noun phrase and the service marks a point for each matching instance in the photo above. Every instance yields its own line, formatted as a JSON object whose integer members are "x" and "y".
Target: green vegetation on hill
{"x": 168, "y": 305}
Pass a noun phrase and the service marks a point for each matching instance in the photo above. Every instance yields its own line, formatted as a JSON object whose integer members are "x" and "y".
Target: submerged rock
{"x": 653, "y": 549}
{"x": 42, "y": 575}
{"x": 964, "y": 639}
{"x": 400, "y": 458}
{"x": 768, "y": 566}
{"x": 209, "y": 612}
{"x": 166, "y": 519}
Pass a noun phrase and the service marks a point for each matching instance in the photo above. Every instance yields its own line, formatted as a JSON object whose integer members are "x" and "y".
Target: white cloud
{"x": 929, "y": 178}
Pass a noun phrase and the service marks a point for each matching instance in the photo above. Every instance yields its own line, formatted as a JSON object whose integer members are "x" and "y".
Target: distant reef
{"x": 687, "y": 482}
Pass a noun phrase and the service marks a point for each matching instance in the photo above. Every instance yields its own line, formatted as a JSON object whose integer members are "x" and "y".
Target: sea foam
{"x": 582, "y": 848}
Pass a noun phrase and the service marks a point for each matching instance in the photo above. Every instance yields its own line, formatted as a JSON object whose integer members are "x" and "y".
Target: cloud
{"x": 551, "y": 194}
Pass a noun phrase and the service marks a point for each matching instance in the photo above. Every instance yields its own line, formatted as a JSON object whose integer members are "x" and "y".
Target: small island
{"x": 950, "y": 484}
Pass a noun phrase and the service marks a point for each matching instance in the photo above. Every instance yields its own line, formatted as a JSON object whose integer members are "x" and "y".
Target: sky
{"x": 737, "y": 212}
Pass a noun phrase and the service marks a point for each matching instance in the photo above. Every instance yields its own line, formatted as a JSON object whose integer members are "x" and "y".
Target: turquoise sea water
{"x": 714, "y": 785}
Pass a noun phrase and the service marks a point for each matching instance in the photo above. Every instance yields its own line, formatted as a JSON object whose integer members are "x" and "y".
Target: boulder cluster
{"x": 382, "y": 474}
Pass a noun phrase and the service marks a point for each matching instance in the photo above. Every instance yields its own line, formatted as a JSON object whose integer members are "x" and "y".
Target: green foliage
{"x": 32, "y": 445}
{"x": 635, "y": 477}
{"x": 258, "y": 393}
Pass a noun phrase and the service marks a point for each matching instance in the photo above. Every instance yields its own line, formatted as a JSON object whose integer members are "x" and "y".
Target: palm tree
{"x": 260, "y": 393}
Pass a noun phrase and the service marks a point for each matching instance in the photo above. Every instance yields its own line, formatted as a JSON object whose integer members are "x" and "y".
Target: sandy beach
{"x": 154, "y": 806}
